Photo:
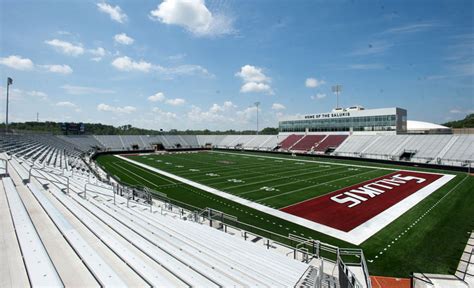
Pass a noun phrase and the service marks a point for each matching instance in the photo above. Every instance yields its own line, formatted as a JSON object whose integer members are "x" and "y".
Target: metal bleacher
{"x": 457, "y": 150}
{"x": 30, "y": 244}
{"x": 64, "y": 227}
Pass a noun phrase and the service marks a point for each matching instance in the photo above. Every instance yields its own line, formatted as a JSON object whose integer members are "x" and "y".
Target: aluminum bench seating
{"x": 181, "y": 254}
{"x": 41, "y": 270}
{"x": 208, "y": 255}
{"x": 273, "y": 271}
{"x": 104, "y": 273}
{"x": 146, "y": 242}
{"x": 12, "y": 267}
{"x": 150, "y": 274}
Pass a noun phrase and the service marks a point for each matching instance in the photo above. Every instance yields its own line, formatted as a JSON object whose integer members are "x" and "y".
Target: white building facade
{"x": 353, "y": 120}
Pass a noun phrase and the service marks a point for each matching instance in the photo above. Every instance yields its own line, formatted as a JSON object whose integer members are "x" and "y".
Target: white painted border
{"x": 356, "y": 236}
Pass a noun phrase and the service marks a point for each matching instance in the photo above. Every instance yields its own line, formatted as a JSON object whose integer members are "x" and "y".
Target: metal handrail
{"x": 30, "y": 174}
{"x": 6, "y": 165}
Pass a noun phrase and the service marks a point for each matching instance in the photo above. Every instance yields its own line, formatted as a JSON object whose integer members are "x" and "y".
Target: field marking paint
{"x": 167, "y": 180}
{"x": 322, "y": 162}
{"x": 312, "y": 186}
{"x": 218, "y": 165}
{"x": 278, "y": 178}
{"x": 413, "y": 224}
{"x": 356, "y": 236}
{"x": 274, "y": 171}
{"x": 123, "y": 168}
{"x": 303, "y": 180}
{"x": 266, "y": 174}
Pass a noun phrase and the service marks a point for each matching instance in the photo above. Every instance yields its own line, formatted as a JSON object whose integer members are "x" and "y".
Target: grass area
{"x": 432, "y": 243}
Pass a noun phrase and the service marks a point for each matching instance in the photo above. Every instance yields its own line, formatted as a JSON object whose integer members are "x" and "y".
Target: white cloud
{"x": 123, "y": 39}
{"x": 17, "y": 62}
{"x": 313, "y": 82}
{"x": 278, "y": 106}
{"x": 224, "y": 113}
{"x": 198, "y": 115}
{"x": 66, "y": 47}
{"x": 115, "y": 13}
{"x": 81, "y": 90}
{"x": 157, "y": 97}
{"x": 127, "y": 64}
{"x": 256, "y": 88}
{"x": 116, "y": 109}
{"x": 412, "y": 28}
{"x": 250, "y": 73}
{"x": 254, "y": 80}
{"x": 318, "y": 96}
{"x": 19, "y": 94}
{"x": 98, "y": 53}
{"x": 455, "y": 111}
{"x": 216, "y": 108}
{"x": 38, "y": 94}
{"x": 248, "y": 113}
{"x": 175, "y": 102}
{"x": 61, "y": 69}
{"x": 66, "y": 104}
{"x": 183, "y": 70}
{"x": 163, "y": 115}
{"x": 222, "y": 116}
{"x": 194, "y": 16}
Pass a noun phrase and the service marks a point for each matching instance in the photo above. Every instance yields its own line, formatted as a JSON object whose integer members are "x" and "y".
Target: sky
{"x": 195, "y": 64}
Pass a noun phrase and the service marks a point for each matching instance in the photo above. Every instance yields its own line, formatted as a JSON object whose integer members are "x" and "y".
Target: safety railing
{"x": 41, "y": 176}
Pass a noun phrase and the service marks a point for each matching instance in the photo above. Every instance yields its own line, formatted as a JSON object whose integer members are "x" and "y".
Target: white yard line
{"x": 273, "y": 172}
{"x": 321, "y": 162}
{"x": 356, "y": 236}
{"x": 306, "y": 187}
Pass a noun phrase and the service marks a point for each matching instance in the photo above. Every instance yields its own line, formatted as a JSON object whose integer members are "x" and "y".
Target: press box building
{"x": 353, "y": 120}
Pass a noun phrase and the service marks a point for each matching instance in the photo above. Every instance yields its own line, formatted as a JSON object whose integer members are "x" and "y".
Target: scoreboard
{"x": 73, "y": 128}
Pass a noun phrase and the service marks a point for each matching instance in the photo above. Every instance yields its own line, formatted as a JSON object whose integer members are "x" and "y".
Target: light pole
{"x": 256, "y": 105}
{"x": 9, "y": 82}
{"x": 337, "y": 89}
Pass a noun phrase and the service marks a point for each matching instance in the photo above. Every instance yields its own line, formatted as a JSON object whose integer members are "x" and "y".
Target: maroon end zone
{"x": 347, "y": 208}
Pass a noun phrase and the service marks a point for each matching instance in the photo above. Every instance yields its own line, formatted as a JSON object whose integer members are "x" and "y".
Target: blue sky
{"x": 202, "y": 64}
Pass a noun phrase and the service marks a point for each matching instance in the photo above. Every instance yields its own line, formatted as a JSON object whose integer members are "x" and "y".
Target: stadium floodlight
{"x": 256, "y": 105}
{"x": 9, "y": 82}
{"x": 337, "y": 89}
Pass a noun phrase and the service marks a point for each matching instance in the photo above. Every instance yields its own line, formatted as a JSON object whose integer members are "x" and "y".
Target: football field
{"x": 330, "y": 200}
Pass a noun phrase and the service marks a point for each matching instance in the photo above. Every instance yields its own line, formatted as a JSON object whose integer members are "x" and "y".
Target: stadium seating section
{"x": 308, "y": 142}
{"x": 456, "y": 150}
{"x": 53, "y": 234}
{"x": 291, "y": 140}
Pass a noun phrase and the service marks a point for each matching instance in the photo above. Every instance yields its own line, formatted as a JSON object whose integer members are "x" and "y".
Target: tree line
{"x": 101, "y": 129}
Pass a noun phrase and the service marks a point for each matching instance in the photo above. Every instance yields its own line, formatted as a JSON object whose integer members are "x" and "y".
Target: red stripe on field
{"x": 327, "y": 211}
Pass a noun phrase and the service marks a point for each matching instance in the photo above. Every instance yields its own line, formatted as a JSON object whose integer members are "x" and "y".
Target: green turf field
{"x": 433, "y": 243}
